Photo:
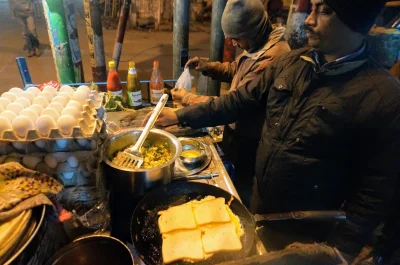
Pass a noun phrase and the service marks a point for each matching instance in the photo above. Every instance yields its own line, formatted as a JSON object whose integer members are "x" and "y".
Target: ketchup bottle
{"x": 113, "y": 82}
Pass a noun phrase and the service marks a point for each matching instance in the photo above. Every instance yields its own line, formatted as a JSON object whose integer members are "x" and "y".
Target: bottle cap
{"x": 156, "y": 64}
{"x": 131, "y": 64}
{"x": 111, "y": 64}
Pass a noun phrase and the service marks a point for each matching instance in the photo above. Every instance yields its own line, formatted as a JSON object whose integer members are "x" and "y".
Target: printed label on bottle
{"x": 135, "y": 98}
{"x": 118, "y": 93}
{"x": 156, "y": 94}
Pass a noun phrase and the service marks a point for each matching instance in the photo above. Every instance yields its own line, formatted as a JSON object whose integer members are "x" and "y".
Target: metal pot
{"x": 137, "y": 181}
{"x": 93, "y": 249}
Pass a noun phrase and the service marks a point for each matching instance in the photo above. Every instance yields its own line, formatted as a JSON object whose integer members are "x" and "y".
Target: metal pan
{"x": 144, "y": 223}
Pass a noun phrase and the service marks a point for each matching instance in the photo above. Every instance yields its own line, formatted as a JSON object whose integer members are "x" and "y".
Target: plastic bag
{"x": 185, "y": 80}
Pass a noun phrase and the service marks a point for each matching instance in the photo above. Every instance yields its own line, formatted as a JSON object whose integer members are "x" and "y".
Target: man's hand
{"x": 199, "y": 64}
{"x": 178, "y": 94}
{"x": 167, "y": 117}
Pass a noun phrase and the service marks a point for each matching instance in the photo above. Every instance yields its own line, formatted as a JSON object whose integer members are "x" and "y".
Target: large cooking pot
{"x": 137, "y": 181}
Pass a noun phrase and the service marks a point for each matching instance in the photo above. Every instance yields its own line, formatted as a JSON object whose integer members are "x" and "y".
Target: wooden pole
{"x": 96, "y": 44}
{"x": 123, "y": 20}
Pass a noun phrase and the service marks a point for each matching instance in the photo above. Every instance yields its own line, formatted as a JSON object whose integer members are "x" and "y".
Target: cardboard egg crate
{"x": 78, "y": 141}
{"x": 70, "y": 168}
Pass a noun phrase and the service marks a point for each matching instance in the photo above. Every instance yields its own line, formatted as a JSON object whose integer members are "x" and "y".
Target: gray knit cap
{"x": 243, "y": 18}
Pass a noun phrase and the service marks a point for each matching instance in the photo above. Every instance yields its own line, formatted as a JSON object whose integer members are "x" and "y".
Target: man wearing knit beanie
{"x": 247, "y": 24}
{"x": 331, "y": 136}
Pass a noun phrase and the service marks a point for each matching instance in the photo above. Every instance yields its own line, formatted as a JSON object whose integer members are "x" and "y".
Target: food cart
{"x": 75, "y": 159}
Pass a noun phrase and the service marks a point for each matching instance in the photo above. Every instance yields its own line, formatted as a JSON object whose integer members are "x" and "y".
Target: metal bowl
{"x": 137, "y": 181}
{"x": 192, "y": 144}
{"x": 93, "y": 249}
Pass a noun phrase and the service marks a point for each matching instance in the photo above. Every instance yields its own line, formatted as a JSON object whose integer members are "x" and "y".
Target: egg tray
{"x": 70, "y": 168}
{"x": 55, "y": 145}
{"x": 88, "y": 125}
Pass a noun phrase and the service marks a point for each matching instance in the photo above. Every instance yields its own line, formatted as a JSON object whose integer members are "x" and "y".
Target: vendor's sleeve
{"x": 221, "y": 71}
{"x": 366, "y": 208}
{"x": 226, "y": 109}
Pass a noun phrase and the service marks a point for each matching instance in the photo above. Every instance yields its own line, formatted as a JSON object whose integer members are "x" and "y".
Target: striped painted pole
{"x": 59, "y": 41}
{"x": 74, "y": 40}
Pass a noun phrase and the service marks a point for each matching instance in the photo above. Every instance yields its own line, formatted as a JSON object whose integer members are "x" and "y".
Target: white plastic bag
{"x": 185, "y": 80}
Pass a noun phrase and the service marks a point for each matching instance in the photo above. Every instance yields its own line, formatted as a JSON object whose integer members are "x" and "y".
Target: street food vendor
{"x": 331, "y": 136}
{"x": 247, "y": 24}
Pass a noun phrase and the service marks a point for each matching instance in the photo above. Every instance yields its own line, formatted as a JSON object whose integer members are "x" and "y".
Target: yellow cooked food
{"x": 208, "y": 223}
{"x": 191, "y": 153}
{"x": 154, "y": 155}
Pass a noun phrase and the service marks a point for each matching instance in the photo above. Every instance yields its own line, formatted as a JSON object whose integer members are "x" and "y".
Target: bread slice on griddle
{"x": 176, "y": 218}
{"x": 210, "y": 211}
{"x": 182, "y": 245}
{"x": 221, "y": 237}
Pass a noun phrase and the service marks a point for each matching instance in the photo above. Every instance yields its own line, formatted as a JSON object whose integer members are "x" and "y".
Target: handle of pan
{"x": 302, "y": 215}
{"x": 196, "y": 177}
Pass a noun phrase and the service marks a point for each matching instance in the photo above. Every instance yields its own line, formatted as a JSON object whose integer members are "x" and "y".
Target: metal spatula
{"x": 131, "y": 157}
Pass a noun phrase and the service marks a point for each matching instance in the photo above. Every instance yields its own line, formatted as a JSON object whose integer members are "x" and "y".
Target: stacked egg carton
{"x": 57, "y": 132}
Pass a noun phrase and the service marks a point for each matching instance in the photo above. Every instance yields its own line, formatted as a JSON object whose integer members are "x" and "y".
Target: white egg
{"x": 75, "y": 104}
{"x": 16, "y": 90}
{"x": 19, "y": 145}
{"x": 65, "y": 95}
{"x": 83, "y": 88}
{"x": 28, "y": 95}
{"x": 63, "y": 101}
{"x": 31, "y": 114}
{"x": 9, "y": 115}
{"x": 72, "y": 161}
{"x": 23, "y": 101}
{"x": 93, "y": 144}
{"x": 12, "y": 159}
{"x": 82, "y": 142}
{"x": 66, "y": 123}
{"x": 4, "y": 102}
{"x": 11, "y": 96}
{"x": 46, "y": 95}
{"x": 42, "y": 101}
{"x": 40, "y": 143}
{"x": 37, "y": 108}
{"x": 5, "y": 125}
{"x": 44, "y": 124}
{"x": 31, "y": 161}
{"x": 51, "y": 161}
{"x": 68, "y": 175}
{"x": 51, "y": 112}
{"x": 80, "y": 96}
{"x": 62, "y": 143}
{"x": 34, "y": 90}
{"x": 51, "y": 90}
{"x": 57, "y": 106}
{"x": 15, "y": 107}
{"x": 21, "y": 125}
{"x": 1, "y": 109}
{"x": 72, "y": 111}
{"x": 67, "y": 89}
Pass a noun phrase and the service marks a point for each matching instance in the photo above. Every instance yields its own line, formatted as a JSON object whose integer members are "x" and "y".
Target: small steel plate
{"x": 180, "y": 167}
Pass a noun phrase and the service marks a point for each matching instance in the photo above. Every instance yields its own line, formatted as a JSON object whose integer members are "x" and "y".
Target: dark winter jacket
{"x": 331, "y": 138}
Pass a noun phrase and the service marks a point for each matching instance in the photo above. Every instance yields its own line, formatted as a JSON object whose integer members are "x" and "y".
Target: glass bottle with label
{"x": 156, "y": 84}
{"x": 113, "y": 82}
{"x": 133, "y": 95}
